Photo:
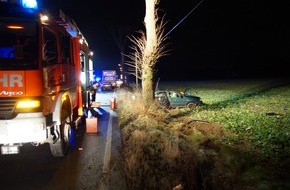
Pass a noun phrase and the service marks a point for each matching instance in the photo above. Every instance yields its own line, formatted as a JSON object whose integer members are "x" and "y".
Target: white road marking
{"x": 104, "y": 185}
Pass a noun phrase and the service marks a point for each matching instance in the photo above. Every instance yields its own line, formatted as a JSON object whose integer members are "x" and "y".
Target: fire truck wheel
{"x": 61, "y": 147}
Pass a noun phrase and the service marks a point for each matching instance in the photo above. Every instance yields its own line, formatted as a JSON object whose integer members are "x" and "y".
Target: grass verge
{"x": 238, "y": 140}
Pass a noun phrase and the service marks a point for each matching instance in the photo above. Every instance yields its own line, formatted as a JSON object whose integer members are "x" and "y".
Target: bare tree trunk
{"x": 149, "y": 51}
{"x": 147, "y": 85}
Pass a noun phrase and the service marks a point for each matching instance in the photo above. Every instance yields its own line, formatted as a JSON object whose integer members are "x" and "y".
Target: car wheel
{"x": 191, "y": 105}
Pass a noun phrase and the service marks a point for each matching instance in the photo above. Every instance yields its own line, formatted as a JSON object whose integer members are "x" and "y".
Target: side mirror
{"x": 49, "y": 57}
{"x": 49, "y": 52}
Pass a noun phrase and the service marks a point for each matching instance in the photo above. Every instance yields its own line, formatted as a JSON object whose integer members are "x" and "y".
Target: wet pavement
{"x": 93, "y": 164}
{"x": 112, "y": 176}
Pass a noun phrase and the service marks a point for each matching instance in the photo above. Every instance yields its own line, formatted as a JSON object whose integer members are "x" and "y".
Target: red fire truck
{"x": 45, "y": 67}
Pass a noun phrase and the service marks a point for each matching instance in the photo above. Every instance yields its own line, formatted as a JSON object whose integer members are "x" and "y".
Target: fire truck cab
{"x": 45, "y": 68}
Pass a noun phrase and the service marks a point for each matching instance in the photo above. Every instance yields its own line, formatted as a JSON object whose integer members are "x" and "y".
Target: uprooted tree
{"x": 147, "y": 49}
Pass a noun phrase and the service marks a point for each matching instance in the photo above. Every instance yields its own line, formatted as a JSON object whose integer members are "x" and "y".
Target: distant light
{"x": 119, "y": 82}
{"x": 32, "y": 4}
{"x": 98, "y": 79}
{"x": 91, "y": 53}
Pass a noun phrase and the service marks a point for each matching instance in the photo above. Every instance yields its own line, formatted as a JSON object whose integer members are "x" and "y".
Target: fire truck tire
{"x": 61, "y": 147}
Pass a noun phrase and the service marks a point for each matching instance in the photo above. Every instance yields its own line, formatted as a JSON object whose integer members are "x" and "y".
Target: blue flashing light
{"x": 32, "y": 4}
{"x": 98, "y": 79}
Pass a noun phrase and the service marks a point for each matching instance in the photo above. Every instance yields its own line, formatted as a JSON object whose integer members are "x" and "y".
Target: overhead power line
{"x": 182, "y": 19}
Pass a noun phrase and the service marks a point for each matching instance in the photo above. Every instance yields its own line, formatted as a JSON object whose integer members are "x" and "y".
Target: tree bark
{"x": 149, "y": 52}
{"x": 147, "y": 85}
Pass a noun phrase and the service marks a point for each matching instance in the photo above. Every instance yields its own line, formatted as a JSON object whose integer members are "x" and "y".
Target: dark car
{"x": 107, "y": 86}
{"x": 172, "y": 99}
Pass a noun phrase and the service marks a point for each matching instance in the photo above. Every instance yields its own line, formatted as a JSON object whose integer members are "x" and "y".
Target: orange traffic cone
{"x": 112, "y": 103}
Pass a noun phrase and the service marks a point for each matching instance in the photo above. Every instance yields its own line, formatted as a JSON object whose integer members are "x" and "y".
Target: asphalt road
{"x": 94, "y": 162}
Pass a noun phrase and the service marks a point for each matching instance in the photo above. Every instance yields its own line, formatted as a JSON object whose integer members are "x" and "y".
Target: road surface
{"x": 93, "y": 164}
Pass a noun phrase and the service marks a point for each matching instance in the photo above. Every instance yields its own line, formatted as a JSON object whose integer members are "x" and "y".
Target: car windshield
{"x": 187, "y": 92}
{"x": 18, "y": 44}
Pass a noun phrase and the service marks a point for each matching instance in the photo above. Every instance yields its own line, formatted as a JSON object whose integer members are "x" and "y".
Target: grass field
{"x": 239, "y": 138}
{"x": 256, "y": 110}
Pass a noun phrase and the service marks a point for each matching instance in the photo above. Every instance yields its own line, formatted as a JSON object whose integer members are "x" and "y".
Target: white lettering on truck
{"x": 10, "y": 93}
{"x": 11, "y": 80}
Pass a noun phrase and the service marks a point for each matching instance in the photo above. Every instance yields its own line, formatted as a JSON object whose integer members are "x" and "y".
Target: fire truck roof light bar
{"x": 32, "y": 4}
{"x": 29, "y": 4}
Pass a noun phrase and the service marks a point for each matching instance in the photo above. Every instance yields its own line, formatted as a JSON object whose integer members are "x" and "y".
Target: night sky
{"x": 219, "y": 39}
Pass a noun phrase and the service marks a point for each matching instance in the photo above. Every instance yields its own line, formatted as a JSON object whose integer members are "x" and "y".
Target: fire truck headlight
{"x": 28, "y": 104}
